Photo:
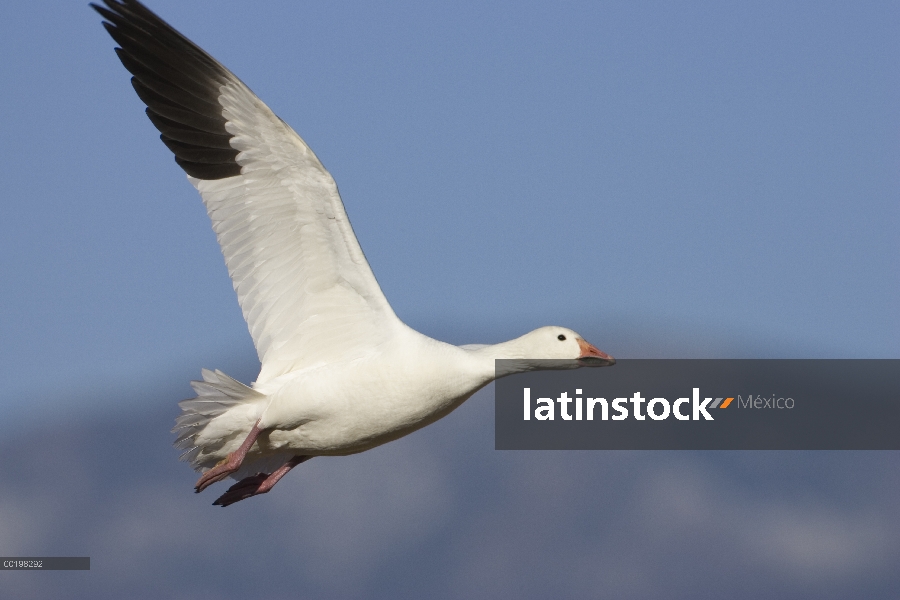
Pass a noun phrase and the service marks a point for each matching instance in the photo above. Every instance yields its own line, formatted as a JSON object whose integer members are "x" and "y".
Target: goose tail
{"x": 217, "y": 394}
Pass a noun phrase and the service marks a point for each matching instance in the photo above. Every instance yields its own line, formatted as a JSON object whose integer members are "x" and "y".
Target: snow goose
{"x": 340, "y": 372}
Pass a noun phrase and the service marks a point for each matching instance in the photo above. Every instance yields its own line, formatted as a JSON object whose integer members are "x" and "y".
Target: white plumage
{"x": 304, "y": 286}
{"x": 340, "y": 372}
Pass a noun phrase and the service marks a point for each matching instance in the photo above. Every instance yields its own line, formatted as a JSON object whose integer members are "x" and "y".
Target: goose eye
{"x": 561, "y": 337}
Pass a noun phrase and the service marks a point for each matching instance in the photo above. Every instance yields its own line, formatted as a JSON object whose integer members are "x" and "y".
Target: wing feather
{"x": 302, "y": 280}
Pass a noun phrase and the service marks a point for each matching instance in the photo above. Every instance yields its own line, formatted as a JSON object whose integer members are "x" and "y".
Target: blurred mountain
{"x": 441, "y": 514}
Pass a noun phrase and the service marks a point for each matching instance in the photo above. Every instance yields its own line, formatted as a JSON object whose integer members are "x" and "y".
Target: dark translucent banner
{"x": 45, "y": 563}
{"x": 701, "y": 405}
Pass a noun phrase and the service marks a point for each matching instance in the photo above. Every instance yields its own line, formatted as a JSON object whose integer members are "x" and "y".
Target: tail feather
{"x": 216, "y": 394}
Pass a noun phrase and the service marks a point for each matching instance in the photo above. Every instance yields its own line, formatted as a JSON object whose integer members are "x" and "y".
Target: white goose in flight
{"x": 340, "y": 372}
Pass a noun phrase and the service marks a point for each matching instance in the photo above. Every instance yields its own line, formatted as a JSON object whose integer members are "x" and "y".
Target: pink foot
{"x": 257, "y": 484}
{"x": 231, "y": 464}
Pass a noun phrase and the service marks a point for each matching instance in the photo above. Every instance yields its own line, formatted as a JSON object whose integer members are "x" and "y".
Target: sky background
{"x": 669, "y": 179}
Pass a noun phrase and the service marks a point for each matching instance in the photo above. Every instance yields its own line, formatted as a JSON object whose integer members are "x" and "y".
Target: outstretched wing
{"x": 302, "y": 281}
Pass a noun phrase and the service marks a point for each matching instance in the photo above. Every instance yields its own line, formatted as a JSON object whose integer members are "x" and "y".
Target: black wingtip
{"x": 180, "y": 84}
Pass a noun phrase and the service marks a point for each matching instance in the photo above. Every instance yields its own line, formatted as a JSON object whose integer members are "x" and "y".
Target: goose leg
{"x": 257, "y": 484}
{"x": 228, "y": 465}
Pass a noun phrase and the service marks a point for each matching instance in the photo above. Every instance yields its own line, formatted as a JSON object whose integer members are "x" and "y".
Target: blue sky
{"x": 670, "y": 179}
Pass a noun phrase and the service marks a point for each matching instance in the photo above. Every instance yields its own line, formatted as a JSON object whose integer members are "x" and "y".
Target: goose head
{"x": 557, "y": 343}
